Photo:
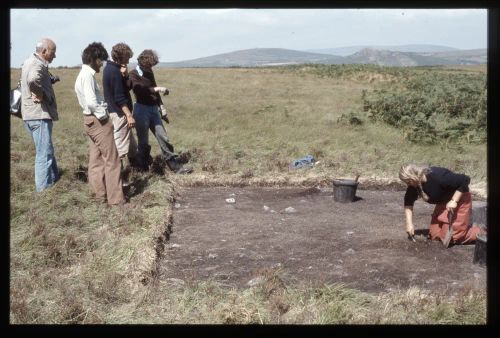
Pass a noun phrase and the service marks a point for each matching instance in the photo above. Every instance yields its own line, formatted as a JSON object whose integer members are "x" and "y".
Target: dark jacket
{"x": 115, "y": 88}
{"x": 440, "y": 186}
{"x": 143, "y": 88}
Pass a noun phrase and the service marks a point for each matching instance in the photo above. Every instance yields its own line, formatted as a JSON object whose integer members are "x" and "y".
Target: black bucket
{"x": 480, "y": 250}
{"x": 344, "y": 191}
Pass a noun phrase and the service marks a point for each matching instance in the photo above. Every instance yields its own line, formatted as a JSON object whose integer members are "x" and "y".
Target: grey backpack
{"x": 15, "y": 100}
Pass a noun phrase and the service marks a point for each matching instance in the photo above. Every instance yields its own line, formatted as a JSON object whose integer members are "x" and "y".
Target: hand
{"x": 451, "y": 205}
{"x": 130, "y": 121}
{"x": 164, "y": 114}
{"x": 36, "y": 99}
{"x": 124, "y": 70}
{"x": 161, "y": 90}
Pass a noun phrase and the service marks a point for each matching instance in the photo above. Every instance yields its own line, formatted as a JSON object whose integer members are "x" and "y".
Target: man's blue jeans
{"x": 46, "y": 172}
{"x": 148, "y": 118}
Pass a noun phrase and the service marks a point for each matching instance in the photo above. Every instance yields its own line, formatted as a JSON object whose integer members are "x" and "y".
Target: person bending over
{"x": 449, "y": 191}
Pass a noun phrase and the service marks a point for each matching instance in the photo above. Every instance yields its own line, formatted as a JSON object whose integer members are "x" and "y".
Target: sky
{"x": 184, "y": 34}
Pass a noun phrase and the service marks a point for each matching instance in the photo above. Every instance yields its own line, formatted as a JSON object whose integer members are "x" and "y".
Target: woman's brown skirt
{"x": 463, "y": 231}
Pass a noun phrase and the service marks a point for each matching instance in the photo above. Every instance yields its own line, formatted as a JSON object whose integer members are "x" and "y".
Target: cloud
{"x": 180, "y": 34}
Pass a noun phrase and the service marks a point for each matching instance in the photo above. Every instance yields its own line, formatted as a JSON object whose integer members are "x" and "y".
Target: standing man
{"x": 104, "y": 163}
{"x": 39, "y": 109}
{"x": 147, "y": 111}
{"x": 117, "y": 96}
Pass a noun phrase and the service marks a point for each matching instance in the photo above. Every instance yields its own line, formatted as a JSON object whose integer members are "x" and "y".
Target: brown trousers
{"x": 463, "y": 231}
{"x": 104, "y": 163}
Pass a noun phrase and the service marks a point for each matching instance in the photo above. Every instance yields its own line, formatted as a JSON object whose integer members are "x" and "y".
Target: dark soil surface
{"x": 362, "y": 244}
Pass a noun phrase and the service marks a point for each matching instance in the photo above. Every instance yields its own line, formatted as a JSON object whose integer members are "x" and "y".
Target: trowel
{"x": 449, "y": 233}
{"x": 412, "y": 237}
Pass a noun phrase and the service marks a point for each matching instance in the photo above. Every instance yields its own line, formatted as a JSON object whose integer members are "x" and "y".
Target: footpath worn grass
{"x": 75, "y": 261}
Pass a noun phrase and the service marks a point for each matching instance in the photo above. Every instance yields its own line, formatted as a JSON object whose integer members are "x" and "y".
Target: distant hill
{"x": 402, "y": 59}
{"x": 469, "y": 56}
{"x": 395, "y": 59}
{"x": 345, "y": 51}
{"x": 260, "y": 57}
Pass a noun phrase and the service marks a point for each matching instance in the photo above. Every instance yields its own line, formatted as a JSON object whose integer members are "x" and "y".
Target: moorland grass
{"x": 75, "y": 261}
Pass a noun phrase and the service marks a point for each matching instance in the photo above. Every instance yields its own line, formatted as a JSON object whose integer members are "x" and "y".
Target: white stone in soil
{"x": 255, "y": 281}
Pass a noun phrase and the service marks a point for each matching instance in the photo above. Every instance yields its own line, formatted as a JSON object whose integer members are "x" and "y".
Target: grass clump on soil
{"x": 75, "y": 261}
{"x": 274, "y": 302}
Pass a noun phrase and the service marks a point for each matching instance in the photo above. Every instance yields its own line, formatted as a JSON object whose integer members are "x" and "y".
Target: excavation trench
{"x": 308, "y": 238}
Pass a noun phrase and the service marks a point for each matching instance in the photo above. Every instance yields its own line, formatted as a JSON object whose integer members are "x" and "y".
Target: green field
{"x": 73, "y": 261}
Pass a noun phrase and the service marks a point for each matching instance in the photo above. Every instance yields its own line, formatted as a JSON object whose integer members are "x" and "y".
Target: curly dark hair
{"x": 148, "y": 58}
{"x": 93, "y": 52}
{"x": 121, "y": 52}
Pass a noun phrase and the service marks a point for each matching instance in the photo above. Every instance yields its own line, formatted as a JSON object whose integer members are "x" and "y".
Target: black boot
{"x": 177, "y": 167}
{"x": 125, "y": 171}
{"x": 147, "y": 155}
{"x": 142, "y": 161}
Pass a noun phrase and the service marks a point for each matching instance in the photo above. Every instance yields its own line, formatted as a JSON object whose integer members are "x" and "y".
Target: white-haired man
{"x": 39, "y": 109}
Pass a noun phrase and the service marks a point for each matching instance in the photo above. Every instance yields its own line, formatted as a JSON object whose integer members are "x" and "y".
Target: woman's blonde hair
{"x": 413, "y": 173}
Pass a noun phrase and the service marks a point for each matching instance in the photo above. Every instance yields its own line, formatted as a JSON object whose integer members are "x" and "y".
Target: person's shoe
{"x": 184, "y": 170}
{"x": 125, "y": 182}
{"x": 178, "y": 167}
{"x": 148, "y": 159}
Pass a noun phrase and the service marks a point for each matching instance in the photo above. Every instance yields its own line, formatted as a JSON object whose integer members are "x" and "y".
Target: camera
{"x": 54, "y": 78}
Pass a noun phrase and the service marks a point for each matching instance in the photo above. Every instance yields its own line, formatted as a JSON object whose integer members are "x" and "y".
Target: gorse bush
{"x": 433, "y": 106}
{"x": 430, "y": 104}
{"x": 350, "y": 71}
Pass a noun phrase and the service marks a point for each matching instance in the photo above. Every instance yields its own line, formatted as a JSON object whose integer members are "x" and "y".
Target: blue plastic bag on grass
{"x": 304, "y": 162}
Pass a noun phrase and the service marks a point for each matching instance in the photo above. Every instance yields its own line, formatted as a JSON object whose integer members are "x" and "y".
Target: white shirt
{"x": 88, "y": 91}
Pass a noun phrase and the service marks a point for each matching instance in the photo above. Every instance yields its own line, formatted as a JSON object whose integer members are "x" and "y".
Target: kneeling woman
{"x": 450, "y": 192}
